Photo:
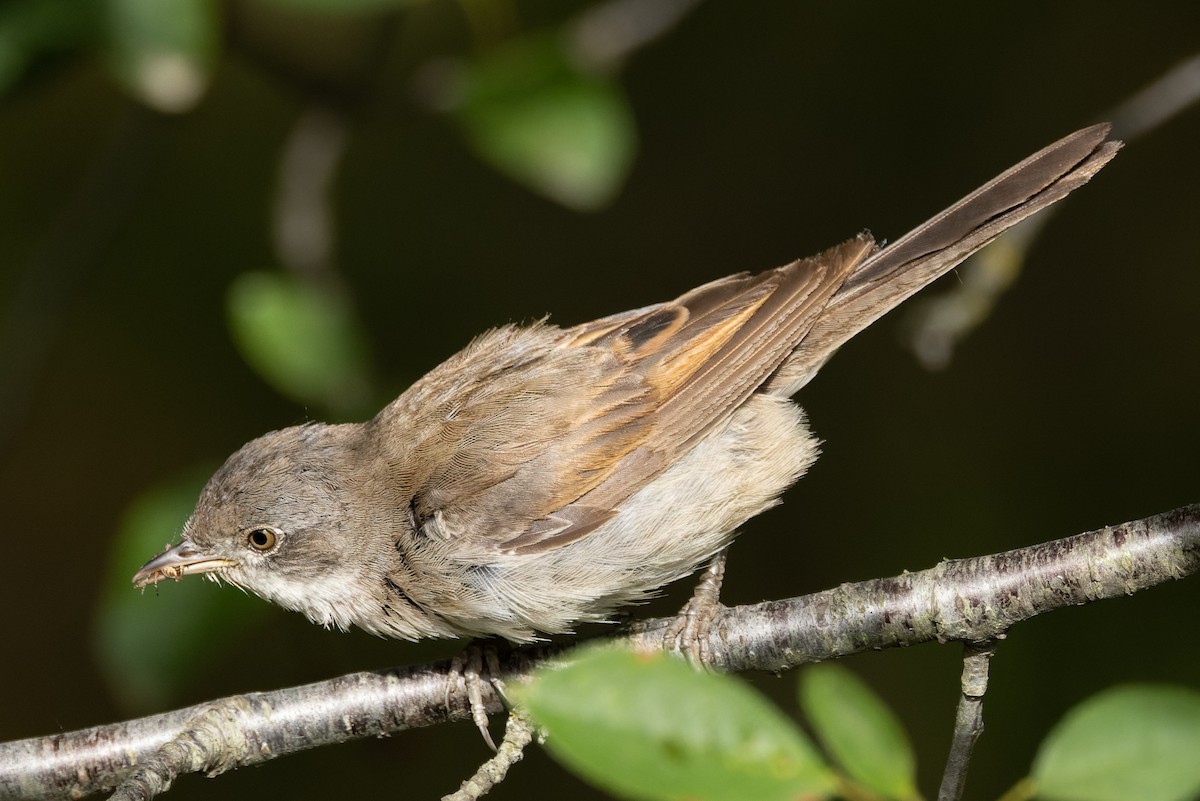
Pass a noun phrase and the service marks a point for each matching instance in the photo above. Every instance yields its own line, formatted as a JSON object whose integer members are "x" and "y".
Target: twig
{"x": 970, "y": 600}
{"x": 1159, "y": 101}
{"x": 518, "y": 732}
{"x": 303, "y": 224}
{"x": 968, "y": 720}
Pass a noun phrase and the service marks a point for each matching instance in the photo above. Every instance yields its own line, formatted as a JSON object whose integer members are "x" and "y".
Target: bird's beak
{"x": 175, "y": 563}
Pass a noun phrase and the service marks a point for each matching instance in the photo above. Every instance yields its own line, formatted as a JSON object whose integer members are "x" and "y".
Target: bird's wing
{"x": 532, "y": 437}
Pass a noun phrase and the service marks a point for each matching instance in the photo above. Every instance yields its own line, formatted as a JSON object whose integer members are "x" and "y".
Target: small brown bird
{"x": 546, "y": 476}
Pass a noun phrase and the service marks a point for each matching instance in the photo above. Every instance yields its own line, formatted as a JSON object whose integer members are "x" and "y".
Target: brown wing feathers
{"x": 695, "y": 359}
{"x": 776, "y": 324}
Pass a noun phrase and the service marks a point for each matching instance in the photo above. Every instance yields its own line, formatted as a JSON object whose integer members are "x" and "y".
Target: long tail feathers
{"x": 892, "y": 274}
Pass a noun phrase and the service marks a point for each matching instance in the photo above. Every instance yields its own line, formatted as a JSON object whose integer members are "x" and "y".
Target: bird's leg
{"x": 476, "y": 664}
{"x": 688, "y": 633}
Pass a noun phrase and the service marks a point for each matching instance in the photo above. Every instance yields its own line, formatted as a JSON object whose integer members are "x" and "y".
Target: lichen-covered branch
{"x": 970, "y": 600}
{"x": 966, "y": 600}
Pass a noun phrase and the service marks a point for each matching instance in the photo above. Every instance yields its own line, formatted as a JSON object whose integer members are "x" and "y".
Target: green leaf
{"x": 305, "y": 342}
{"x": 530, "y": 113}
{"x": 1129, "y": 743}
{"x": 163, "y": 51}
{"x": 151, "y": 644}
{"x": 651, "y": 727}
{"x": 859, "y": 731}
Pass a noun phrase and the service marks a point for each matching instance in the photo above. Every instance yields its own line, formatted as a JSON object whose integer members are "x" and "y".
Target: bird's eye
{"x": 261, "y": 539}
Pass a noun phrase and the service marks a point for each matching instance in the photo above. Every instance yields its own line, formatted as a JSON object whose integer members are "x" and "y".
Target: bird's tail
{"x": 890, "y": 275}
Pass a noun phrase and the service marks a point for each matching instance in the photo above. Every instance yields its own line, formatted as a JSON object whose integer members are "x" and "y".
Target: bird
{"x": 545, "y": 477}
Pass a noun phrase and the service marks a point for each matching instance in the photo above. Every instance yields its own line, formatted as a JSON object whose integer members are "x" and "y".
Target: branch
{"x": 970, "y": 600}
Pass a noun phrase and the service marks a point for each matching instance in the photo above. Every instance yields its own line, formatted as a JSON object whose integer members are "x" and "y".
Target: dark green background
{"x": 767, "y": 131}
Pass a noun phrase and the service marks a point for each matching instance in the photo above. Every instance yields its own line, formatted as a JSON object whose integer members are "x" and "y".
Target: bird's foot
{"x": 689, "y": 633}
{"x": 476, "y": 665}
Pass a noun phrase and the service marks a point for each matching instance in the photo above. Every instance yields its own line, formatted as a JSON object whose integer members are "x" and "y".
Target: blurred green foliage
{"x": 162, "y": 51}
{"x": 525, "y": 106}
{"x": 307, "y": 343}
{"x": 531, "y": 113}
{"x": 31, "y": 30}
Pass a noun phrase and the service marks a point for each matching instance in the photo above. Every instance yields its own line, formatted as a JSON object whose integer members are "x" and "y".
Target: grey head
{"x": 275, "y": 520}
